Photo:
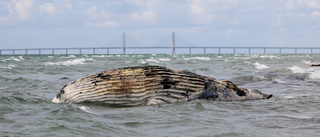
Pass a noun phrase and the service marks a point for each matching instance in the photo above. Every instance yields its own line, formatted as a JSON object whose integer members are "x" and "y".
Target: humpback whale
{"x": 151, "y": 85}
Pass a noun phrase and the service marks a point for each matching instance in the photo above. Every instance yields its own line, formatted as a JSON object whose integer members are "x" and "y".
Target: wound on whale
{"x": 151, "y": 85}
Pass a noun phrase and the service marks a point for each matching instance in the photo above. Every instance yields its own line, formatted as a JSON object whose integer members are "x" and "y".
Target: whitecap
{"x": 260, "y": 66}
{"x": 277, "y": 81}
{"x": 86, "y": 109}
{"x": 313, "y": 73}
{"x": 142, "y": 62}
{"x": 98, "y": 56}
{"x": 20, "y": 58}
{"x": 164, "y": 59}
{"x": 307, "y": 62}
{"x": 269, "y": 57}
{"x": 152, "y": 60}
{"x": 70, "y": 56}
{"x": 198, "y": 58}
{"x": 67, "y": 63}
{"x": 10, "y": 66}
{"x": 288, "y": 97}
{"x": 296, "y": 69}
{"x": 248, "y": 63}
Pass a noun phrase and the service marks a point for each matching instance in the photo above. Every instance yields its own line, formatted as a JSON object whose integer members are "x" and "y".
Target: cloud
{"x": 315, "y": 14}
{"x": 218, "y": 14}
{"x": 94, "y": 13}
{"x": 147, "y": 17}
{"x": 200, "y": 15}
{"x": 222, "y": 19}
{"x": 67, "y": 5}
{"x": 48, "y": 8}
{"x": 139, "y": 3}
{"x": 23, "y": 8}
{"x": 313, "y": 4}
{"x": 105, "y": 24}
{"x": 14, "y": 12}
{"x": 301, "y": 4}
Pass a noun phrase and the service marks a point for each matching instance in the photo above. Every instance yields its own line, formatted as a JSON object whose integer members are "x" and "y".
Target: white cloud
{"x": 230, "y": 18}
{"x": 92, "y": 10}
{"x": 48, "y": 8}
{"x": 291, "y": 5}
{"x": 313, "y": 4}
{"x": 138, "y": 2}
{"x": 300, "y": 4}
{"x": 23, "y": 8}
{"x": 315, "y": 14}
{"x": 105, "y": 24}
{"x": 95, "y": 13}
{"x": 200, "y": 16}
{"x": 147, "y": 16}
{"x": 67, "y": 5}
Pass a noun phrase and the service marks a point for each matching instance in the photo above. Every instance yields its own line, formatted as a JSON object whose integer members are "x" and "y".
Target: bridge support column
{"x": 123, "y": 43}
{"x": 173, "y": 43}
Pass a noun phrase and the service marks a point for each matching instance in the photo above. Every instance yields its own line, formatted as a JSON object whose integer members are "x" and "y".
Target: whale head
{"x": 71, "y": 92}
{"x": 57, "y": 98}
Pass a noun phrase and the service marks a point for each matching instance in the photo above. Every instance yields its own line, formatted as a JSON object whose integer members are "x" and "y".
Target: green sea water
{"x": 28, "y": 84}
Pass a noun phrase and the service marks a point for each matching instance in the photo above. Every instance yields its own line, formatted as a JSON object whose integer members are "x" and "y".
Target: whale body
{"x": 151, "y": 85}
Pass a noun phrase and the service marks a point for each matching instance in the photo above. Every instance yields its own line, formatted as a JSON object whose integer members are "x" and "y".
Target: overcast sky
{"x": 97, "y": 23}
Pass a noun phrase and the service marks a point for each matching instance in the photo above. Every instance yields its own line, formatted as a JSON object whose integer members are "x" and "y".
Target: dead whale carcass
{"x": 150, "y": 85}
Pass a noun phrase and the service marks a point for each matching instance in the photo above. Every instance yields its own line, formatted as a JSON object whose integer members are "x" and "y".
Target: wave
{"x": 14, "y": 58}
{"x": 198, "y": 58}
{"x": 153, "y": 60}
{"x": 296, "y": 69}
{"x": 86, "y": 109}
{"x": 242, "y": 80}
{"x": 313, "y": 72}
{"x": 10, "y": 66}
{"x": 164, "y": 59}
{"x": 67, "y": 63}
{"x": 70, "y": 56}
{"x": 307, "y": 62}
{"x": 147, "y": 61}
{"x": 260, "y": 66}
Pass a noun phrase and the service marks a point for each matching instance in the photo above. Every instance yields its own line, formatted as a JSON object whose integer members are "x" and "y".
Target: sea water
{"x": 29, "y": 83}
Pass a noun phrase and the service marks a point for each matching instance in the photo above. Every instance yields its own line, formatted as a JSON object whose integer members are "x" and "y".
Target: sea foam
{"x": 10, "y": 66}
{"x": 260, "y": 66}
{"x": 313, "y": 72}
{"x": 19, "y": 58}
{"x": 67, "y": 63}
{"x": 164, "y": 59}
{"x": 198, "y": 58}
{"x": 296, "y": 69}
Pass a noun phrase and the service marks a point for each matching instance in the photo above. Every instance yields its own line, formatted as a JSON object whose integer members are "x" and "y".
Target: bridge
{"x": 170, "y": 49}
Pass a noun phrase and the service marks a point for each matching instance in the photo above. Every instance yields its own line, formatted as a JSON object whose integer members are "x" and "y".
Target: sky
{"x": 100, "y": 23}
